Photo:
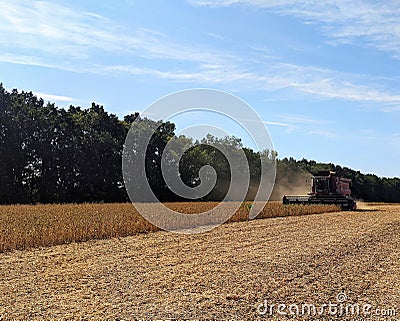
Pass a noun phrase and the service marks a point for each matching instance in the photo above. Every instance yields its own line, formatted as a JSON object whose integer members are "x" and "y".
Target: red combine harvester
{"x": 327, "y": 188}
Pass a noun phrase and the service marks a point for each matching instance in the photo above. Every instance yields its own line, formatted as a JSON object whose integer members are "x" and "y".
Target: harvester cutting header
{"x": 327, "y": 188}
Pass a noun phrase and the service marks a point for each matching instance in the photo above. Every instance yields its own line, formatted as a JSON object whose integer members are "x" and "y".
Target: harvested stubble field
{"x": 222, "y": 274}
{"x": 26, "y": 226}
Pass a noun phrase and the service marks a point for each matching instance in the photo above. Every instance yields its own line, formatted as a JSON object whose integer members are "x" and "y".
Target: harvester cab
{"x": 328, "y": 183}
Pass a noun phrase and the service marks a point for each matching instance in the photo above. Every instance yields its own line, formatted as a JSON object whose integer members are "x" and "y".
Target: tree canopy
{"x": 55, "y": 155}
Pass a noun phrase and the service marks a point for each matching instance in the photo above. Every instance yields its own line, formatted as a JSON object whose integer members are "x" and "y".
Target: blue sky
{"x": 324, "y": 76}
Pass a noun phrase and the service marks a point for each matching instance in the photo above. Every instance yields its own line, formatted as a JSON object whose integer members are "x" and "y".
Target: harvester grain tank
{"x": 327, "y": 188}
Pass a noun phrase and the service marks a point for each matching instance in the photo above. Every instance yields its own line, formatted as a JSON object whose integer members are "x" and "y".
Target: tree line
{"x": 56, "y": 155}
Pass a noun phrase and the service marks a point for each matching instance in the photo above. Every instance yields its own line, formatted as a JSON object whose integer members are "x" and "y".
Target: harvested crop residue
{"x": 222, "y": 274}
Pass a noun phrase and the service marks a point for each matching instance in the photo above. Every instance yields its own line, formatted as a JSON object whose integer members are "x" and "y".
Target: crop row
{"x": 27, "y": 226}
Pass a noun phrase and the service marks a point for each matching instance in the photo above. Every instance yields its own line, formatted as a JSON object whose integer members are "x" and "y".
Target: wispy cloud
{"x": 39, "y": 62}
{"x": 52, "y": 28}
{"x": 302, "y": 124}
{"x": 375, "y": 24}
{"x": 203, "y": 74}
{"x": 323, "y": 133}
{"x": 274, "y": 123}
{"x": 51, "y": 97}
{"x": 309, "y": 80}
{"x": 215, "y": 35}
{"x": 46, "y": 34}
{"x": 296, "y": 119}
